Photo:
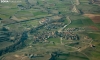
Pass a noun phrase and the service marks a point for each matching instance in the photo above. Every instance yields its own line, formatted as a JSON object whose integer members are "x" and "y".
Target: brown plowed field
{"x": 94, "y": 28}
{"x": 94, "y": 18}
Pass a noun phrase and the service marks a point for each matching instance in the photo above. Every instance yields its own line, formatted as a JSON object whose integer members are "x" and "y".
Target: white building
{"x": 4, "y": 1}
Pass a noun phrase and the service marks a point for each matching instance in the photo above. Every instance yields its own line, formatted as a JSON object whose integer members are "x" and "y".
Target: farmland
{"x": 50, "y": 30}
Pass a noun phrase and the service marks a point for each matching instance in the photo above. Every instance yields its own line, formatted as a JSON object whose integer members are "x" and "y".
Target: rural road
{"x": 60, "y": 30}
{"x": 61, "y": 41}
{"x": 77, "y": 2}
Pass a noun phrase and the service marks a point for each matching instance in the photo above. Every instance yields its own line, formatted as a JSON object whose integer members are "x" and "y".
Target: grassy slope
{"x": 72, "y": 56}
{"x": 93, "y": 53}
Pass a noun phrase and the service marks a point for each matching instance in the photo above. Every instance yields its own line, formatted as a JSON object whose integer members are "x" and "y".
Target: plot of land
{"x": 94, "y": 18}
{"x": 93, "y": 28}
{"x": 15, "y": 57}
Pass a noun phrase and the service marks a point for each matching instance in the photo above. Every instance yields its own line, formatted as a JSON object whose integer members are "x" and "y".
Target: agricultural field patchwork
{"x": 49, "y": 30}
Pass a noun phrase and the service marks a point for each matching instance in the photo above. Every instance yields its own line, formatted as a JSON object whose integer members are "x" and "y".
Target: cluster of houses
{"x": 76, "y": 29}
{"x": 69, "y": 36}
{"x": 44, "y": 20}
{"x": 44, "y": 36}
{"x": 54, "y": 26}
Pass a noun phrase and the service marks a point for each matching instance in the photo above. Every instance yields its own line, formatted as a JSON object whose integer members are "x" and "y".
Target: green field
{"x": 72, "y": 56}
{"x": 76, "y": 23}
{"x": 56, "y": 40}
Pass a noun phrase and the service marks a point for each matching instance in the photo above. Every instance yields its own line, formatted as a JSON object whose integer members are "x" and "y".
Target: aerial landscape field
{"x": 49, "y": 29}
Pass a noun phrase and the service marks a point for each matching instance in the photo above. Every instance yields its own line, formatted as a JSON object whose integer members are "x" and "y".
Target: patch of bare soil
{"x": 93, "y": 17}
{"x": 93, "y": 28}
{"x": 18, "y": 19}
{"x": 15, "y": 57}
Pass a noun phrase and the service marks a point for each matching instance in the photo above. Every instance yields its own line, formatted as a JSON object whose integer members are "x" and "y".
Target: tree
{"x": 0, "y": 18}
{"x": 24, "y": 36}
{"x": 4, "y": 29}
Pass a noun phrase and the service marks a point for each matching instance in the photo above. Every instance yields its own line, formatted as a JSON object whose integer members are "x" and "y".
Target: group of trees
{"x": 17, "y": 45}
{"x": 0, "y": 18}
{"x": 4, "y": 34}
